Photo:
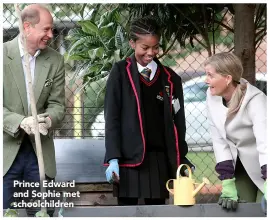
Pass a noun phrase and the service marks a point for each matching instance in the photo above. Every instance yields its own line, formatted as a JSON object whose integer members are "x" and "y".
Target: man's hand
{"x": 228, "y": 198}
{"x": 112, "y": 172}
{"x": 28, "y": 125}
{"x": 45, "y": 126}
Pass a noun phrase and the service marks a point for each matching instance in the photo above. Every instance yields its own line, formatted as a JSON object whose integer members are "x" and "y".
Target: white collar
{"x": 152, "y": 65}
{"x": 22, "y": 51}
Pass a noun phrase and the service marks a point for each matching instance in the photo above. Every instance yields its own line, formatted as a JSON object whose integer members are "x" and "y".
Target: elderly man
{"x": 48, "y": 77}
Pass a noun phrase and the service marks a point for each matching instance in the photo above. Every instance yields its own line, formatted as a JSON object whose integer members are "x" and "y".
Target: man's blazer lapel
{"x": 41, "y": 73}
{"x": 16, "y": 69}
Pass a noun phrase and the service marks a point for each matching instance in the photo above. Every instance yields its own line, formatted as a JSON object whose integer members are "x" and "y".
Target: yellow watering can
{"x": 184, "y": 187}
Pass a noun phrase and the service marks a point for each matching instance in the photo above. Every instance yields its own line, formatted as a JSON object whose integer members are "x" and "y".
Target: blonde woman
{"x": 237, "y": 119}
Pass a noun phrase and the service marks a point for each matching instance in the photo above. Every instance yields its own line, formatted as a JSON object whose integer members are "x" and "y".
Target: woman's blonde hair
{"x": 226, "y": 63}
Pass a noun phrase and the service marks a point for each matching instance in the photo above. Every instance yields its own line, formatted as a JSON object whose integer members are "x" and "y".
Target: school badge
{"x": 167, "y": 89}
{"x": 160, "y": 96}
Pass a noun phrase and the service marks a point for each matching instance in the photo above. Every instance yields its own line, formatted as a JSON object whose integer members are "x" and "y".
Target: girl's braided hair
{"x": 143, "y": 26}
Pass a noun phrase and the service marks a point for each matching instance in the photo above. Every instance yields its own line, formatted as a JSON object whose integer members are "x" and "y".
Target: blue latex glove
{"x": 192, "y": 171}
{"x": 264, "y": 199}
{"x": 265, "y": 190}
{"x": 112, "y": 171}
{"x": 264, "y": 205}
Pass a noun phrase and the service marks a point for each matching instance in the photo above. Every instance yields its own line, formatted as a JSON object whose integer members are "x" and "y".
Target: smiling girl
{"x": 144, "y": 130}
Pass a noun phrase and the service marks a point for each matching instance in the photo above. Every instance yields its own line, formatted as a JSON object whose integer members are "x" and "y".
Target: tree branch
{"x": 221, "y": 18}
{"x": 258, "y": 39}
{"x": 261, "y": 24}
{"x": 259, "y": 13}
{"x": 231, "y": 49}
{"x": 260, "y": 31}
{"x": 196, "y": 27}
{"x": 206, "y": 32}
{"x": 224, "y": 25}
{"x": 199, "y": 42}
{"x": 213, "y": 32}
{"x": 168, "y": 49}
{"x": 193, "y": 23}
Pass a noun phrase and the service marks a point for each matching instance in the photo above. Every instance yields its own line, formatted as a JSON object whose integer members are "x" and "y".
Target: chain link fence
{"x": 84, "y": 97}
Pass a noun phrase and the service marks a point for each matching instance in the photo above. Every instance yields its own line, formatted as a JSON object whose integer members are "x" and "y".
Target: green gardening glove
{"x": 228, "y": 198}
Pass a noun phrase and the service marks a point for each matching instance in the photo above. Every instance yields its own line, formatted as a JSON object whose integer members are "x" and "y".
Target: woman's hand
{"x": 228, "y": 198}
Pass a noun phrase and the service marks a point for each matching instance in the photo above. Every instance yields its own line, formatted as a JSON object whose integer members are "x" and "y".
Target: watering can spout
{"x": 205, "y": 181}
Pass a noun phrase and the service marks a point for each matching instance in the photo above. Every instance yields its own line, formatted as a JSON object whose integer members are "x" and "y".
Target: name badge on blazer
{"x": 48, "y": 82}
{"x": 176, "y": 105}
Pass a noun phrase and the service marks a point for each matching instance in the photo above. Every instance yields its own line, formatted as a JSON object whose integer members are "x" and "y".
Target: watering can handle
{"x": 189, "y": 171}
{"x": 167, "y": 186}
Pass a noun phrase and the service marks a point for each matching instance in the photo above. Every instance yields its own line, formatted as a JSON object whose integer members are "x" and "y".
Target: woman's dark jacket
{"x": 124, "y": 129}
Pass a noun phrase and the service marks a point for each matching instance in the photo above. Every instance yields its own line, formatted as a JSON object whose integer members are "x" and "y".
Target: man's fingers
{"x": 28, "y": 130}
{"x": 45, "y": 125}
{"x": 42, "y": 129}
{"x": 41, "y": 120}
{"x": 43, "y": 115}
{"x": 43, "y": 132}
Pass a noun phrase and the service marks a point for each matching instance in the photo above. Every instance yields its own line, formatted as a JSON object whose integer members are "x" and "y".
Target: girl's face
{"x": 216, "y": 82}
{"x": 146, "y": 48}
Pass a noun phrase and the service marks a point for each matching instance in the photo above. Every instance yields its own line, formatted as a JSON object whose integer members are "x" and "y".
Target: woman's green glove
{"x": 228, "y": 198}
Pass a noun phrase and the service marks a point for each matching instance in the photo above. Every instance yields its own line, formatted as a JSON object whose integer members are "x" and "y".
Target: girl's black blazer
{"x": 124, "y": 125}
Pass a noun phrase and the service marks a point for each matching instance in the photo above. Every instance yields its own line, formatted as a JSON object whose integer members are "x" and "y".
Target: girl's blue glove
{"x": 264, "y": 199}
{"x": 112, "y": 172}
{"x": 264, "y": 205}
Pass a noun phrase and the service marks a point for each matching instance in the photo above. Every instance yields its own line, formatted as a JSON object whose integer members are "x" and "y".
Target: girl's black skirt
{"x": 145, "y": 181}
